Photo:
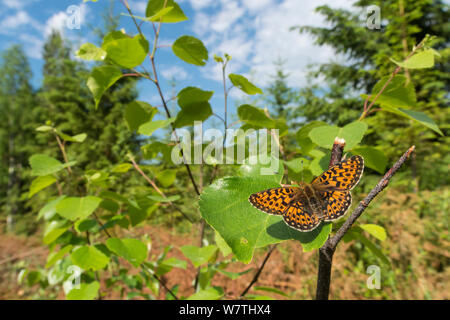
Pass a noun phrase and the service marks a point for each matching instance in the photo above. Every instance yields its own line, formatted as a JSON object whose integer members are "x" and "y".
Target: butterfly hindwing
{"x": 337, "y": 203}
{"x": 298, "y": 218}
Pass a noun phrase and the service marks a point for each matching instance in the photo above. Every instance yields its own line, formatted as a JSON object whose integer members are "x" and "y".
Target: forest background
{"x": 103, "y": 152}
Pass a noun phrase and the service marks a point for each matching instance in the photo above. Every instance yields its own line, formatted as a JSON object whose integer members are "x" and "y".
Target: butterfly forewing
{"x": 343, "y": 176}
{"x": 273, "y": 201}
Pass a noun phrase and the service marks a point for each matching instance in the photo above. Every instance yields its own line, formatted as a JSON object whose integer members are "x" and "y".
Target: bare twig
{"x": 153, "y": 184}
{"x": 326, "y": 252}
{"x": 258, "y": 272}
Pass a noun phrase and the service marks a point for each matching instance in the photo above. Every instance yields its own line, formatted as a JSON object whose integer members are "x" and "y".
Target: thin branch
{"x": 153, "y": 184}
{"x": 125, "y": 3}
{"x": 153, "y": 274}
{"x": 257, "y": 274}
{"x": 372, "y": 194}
{"x": 63, "y": 151}
{"x": 326, "y": 252}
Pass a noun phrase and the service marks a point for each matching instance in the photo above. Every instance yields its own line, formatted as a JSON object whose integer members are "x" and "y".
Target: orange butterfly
{"x": 326, "y": 198}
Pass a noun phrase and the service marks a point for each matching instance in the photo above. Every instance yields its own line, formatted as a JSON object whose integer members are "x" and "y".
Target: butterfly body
{"x": 326, "y": 198}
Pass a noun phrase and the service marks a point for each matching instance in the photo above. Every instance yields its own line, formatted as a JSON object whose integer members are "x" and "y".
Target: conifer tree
{"x": 16, "y": 130}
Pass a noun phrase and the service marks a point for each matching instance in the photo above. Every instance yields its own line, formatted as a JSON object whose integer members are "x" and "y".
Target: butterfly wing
{"x": 342, "y": 176}
{"x": 337, "y": 203}
{"x": 273, "y": 201}
{"x": 297, "y": 217}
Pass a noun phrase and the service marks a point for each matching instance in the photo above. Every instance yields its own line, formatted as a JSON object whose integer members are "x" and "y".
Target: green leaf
{"x": 373, "y": 158}
{"x": 77, "y": 138}
{"x": 398, "y": 93}
{"x": 190, "y": 50}
{"x": 159, "y": 198}
{"x": 40, "y": 183}
{"x": 155, "y": 8}
{"x": 126, "y": 52}
{"x": 42, "y": 165}
{"x": 242, "y": 83}
{"x": 87, "y": 291}
{"x": 161, "y": 13}
{"x": 420, "y": 117}
{"x": 270, "y": 289}
{"x": 154, "y": 18}
{"x": 197, "y": 111}
{"x": 74, "y": 208}
{"x": 136, "y": 215}
{"x": 199, "y": 256}
{"x": 420, "y": 60}
{"x": 132, "y": 250}
{"x": 245, "y": 228}
{"x": 56, "y": 256}
{"x": 297, "y": 164}
{"x": 44, "y": 128}
{"x": 221, "y": 244}
{"x": 320, "y": 163}
{"x": 168, "y": 264}
{"x": 372, "y": 247}
{"x": 49, "y": 210}
{"x": 138, "y": 113}
{"x": 89, "y": 51}
{"x": 211, "y": 293}
{"x": 190, "y": 95}
{"x": 53, "y": 233}
{"x": 167, "y": 177}
{"x": 255, "y": 116}
{"x": 303, "y": 139}
{"x": 89, "y": 257}
{"x": 254, "y": 168}
{"x": 149, "y": 127}
{"x": 375, "y": 230}
{"x": 86, "y": 225}
{"x": 122, "y": 168}
{"x": 352, "y": 133}
{"x": 232, "y": 275}
{"x": 100, "y": 79}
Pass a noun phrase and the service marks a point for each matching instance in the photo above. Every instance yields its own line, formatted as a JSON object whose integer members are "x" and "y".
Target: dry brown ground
{"x": 421, "y": 268}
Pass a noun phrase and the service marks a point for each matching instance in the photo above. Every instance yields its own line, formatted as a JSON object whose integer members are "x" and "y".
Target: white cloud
{"x": 60, "y": 20}
{"x": 16, "y": 4}
{"x": 138, "y": 7}
{"x": 32, "y": 44}
{"x": 228, "y": 14}
{"x": 255, "y": 5}
{"x": 174, "y": 72}
{"x": 56, "y": 22}
{"x": 256, "y": 32}
{"x": 14, "y": 21}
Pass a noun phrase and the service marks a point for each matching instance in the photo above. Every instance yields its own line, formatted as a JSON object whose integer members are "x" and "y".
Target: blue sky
{"x": 254, "y": 32}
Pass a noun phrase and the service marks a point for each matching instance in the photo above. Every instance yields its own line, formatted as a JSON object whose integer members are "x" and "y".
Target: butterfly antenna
{"x": 301, "y": 167}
